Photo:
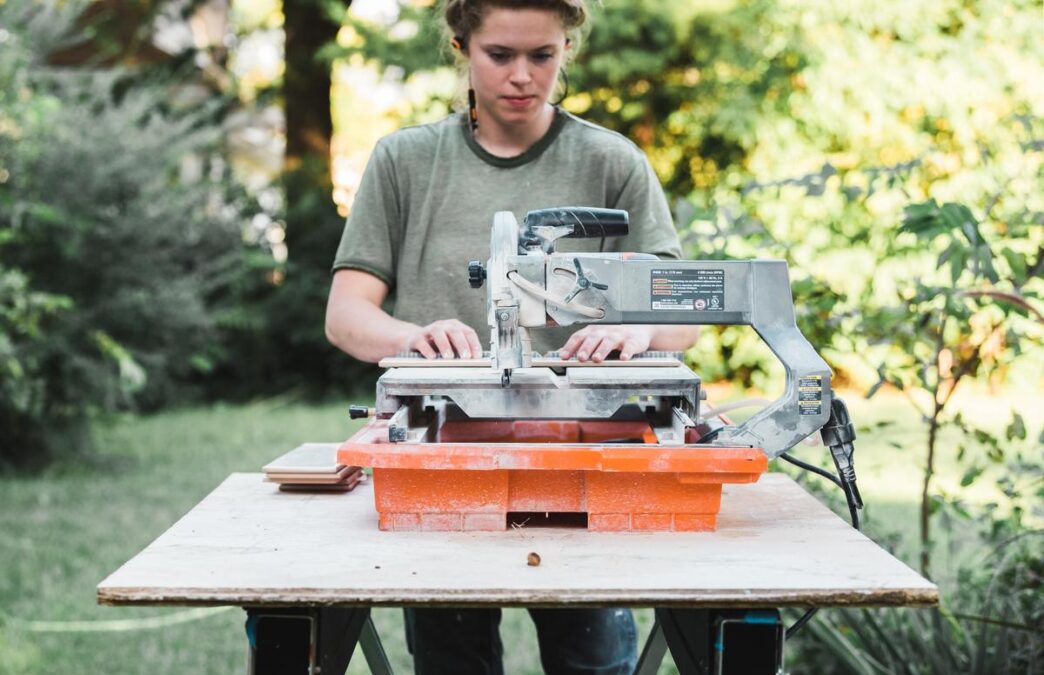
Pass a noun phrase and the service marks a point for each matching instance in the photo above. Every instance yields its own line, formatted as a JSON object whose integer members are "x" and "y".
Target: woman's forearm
{"x": 673, "y": 338}
{"x": 362, "y": 329}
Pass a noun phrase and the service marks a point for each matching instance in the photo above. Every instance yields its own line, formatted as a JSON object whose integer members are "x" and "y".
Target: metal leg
{"x": 311, "y": 640}
{"x": 373, "y": 650}
{"x": 716, "y": 642}
{"x": 653, "y": 652}
{"x": 688, "y": 636}
{"x": 281, "y": 640}
{"x": 339, "y": 630}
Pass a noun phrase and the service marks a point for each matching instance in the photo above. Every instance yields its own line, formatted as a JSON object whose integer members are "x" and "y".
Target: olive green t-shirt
{"x": 426, "y": 202}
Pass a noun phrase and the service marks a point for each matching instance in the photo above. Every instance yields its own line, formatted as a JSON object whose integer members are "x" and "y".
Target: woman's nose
{"x": 520, "y": 71}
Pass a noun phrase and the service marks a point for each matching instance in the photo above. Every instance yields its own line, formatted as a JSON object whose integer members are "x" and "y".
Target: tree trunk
{"x": 313, "y": 226}
{"x": 306, "y": 89}
{"x": 926, "y": 505}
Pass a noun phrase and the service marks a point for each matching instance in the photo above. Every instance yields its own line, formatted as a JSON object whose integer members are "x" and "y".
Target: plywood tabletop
{"x": 249, "y": 544}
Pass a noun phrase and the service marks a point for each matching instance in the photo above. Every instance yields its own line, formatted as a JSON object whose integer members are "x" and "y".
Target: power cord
{"x": 813, "y": 468}
{"x": 545, "y": 295}
{"x": 838, "y": 434}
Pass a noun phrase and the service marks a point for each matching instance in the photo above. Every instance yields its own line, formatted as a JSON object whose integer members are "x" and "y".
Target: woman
{"x": 424, "y": 208}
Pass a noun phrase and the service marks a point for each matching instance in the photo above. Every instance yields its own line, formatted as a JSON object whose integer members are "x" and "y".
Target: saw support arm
{"x": 529, "y": 285}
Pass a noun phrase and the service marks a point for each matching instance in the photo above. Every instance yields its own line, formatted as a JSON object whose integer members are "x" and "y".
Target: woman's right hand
{"x": 447, "y": 338}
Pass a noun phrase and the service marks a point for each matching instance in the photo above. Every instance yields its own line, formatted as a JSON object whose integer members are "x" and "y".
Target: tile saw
{"x": 513, "y": 436}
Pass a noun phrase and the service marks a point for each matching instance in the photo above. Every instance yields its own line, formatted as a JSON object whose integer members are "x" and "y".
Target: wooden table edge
{"x": 900, "y": 597}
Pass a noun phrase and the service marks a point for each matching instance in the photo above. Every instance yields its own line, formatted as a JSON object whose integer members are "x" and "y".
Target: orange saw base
{"x": 476, "y": 473}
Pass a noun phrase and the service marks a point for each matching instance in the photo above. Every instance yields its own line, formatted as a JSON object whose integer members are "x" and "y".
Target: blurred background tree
{"x": 119, "y": 229}
{"x": 143, "y": 227}
{"x": 298, "y": 354}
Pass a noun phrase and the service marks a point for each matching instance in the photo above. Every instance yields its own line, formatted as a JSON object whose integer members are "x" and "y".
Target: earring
{"x": 472, "y": 109}
{"x": 565, "y": 88}
{"x": 458, "y": 42}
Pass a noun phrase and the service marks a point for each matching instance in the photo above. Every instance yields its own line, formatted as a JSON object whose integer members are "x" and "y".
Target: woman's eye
{"x": 500, "y": 57}
{"x": 542, "y": 57}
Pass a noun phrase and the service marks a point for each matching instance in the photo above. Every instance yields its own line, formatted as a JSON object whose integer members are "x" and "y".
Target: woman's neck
{"x": 512, "y": 141}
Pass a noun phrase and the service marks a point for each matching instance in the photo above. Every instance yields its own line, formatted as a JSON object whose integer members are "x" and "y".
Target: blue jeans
{"x": 572, "y": 641}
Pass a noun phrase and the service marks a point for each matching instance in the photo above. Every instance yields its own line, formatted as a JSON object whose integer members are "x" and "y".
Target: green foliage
{"x": 415, "y": 44}
{"x": 968, "y": 318}
{"x": 990, "y": 618}
{"x": 297, "y": 351}
{"x": 23, "y": 314}
{"x": 117, "y": 234}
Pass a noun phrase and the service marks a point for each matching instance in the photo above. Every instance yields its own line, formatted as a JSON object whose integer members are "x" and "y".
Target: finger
{"x": 442, "y": 343}
{"x": 420, "y": 344}
{"x": 574, "y": 341}
{"x": 473, "y": 342}
{"x": 588, "y": 346}
{"x": 629, "y": 348}
{"x": 460, "y": 343}
{"x": 608, "y": 344}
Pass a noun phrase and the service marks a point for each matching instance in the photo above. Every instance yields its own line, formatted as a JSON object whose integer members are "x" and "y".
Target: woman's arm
{"x": 356, "y": 324}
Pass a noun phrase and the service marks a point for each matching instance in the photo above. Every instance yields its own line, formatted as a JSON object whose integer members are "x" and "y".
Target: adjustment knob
{"x": 359, "y": 411}
{"x": 476, "y": 274}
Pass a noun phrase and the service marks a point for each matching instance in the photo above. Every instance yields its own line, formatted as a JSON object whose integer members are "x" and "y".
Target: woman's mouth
{"x": 518, "y": 101}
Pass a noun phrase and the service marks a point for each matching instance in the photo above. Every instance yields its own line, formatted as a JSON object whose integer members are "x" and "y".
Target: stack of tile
{"x": 313, "y": 467}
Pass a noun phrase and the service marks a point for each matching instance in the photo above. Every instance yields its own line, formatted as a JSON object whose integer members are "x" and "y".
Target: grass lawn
{"x": 66, "y": 529}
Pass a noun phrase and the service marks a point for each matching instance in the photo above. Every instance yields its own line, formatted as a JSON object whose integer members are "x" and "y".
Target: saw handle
{"x": 586, "y": 223}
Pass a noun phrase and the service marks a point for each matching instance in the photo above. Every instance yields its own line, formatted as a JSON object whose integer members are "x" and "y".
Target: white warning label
{"x": 810, "y": 395}
{"x": 691, "y": 290}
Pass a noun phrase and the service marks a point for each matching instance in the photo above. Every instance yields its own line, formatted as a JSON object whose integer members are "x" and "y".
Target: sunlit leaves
{"x": 1017, "y": 428}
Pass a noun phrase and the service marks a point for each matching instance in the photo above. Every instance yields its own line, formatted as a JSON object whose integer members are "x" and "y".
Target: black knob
{"x": 585, "y": 222}
{"x": 358, "y": 411}
{"x": 476, "y": 274}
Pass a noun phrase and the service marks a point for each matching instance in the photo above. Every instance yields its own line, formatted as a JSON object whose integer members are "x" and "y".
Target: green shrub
{"x": 989, "y": 619}
{"x": 117, "y": 235}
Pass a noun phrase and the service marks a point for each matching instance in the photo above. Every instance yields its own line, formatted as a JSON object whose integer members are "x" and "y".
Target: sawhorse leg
{"x": 715, "y": 642}
{"x": 315, "y": 641}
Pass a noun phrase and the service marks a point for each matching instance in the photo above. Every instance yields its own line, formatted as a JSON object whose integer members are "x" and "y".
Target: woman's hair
{"x": 463, "y": 17}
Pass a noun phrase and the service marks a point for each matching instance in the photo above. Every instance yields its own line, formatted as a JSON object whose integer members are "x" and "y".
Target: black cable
{"x": 814, "y": 469}
{"x": 709, "y": 436}
{"x": 839, "y": 435}
{"x": 800, "y": 623}
{"x": 850, "y": 497}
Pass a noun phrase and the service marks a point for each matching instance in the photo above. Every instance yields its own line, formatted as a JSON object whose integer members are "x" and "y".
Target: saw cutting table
{"x": 321, "y": 558}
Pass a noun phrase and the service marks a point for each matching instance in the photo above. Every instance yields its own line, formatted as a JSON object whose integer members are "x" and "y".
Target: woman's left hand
{"x": 595, "y": 342}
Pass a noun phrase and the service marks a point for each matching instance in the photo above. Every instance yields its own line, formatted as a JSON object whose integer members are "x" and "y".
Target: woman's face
{"x": 515, "y": 57}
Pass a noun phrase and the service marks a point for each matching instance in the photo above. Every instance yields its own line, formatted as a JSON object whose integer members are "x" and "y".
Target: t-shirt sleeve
{"x": 372, "y": 234}
{"x": 651, "y": 226}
